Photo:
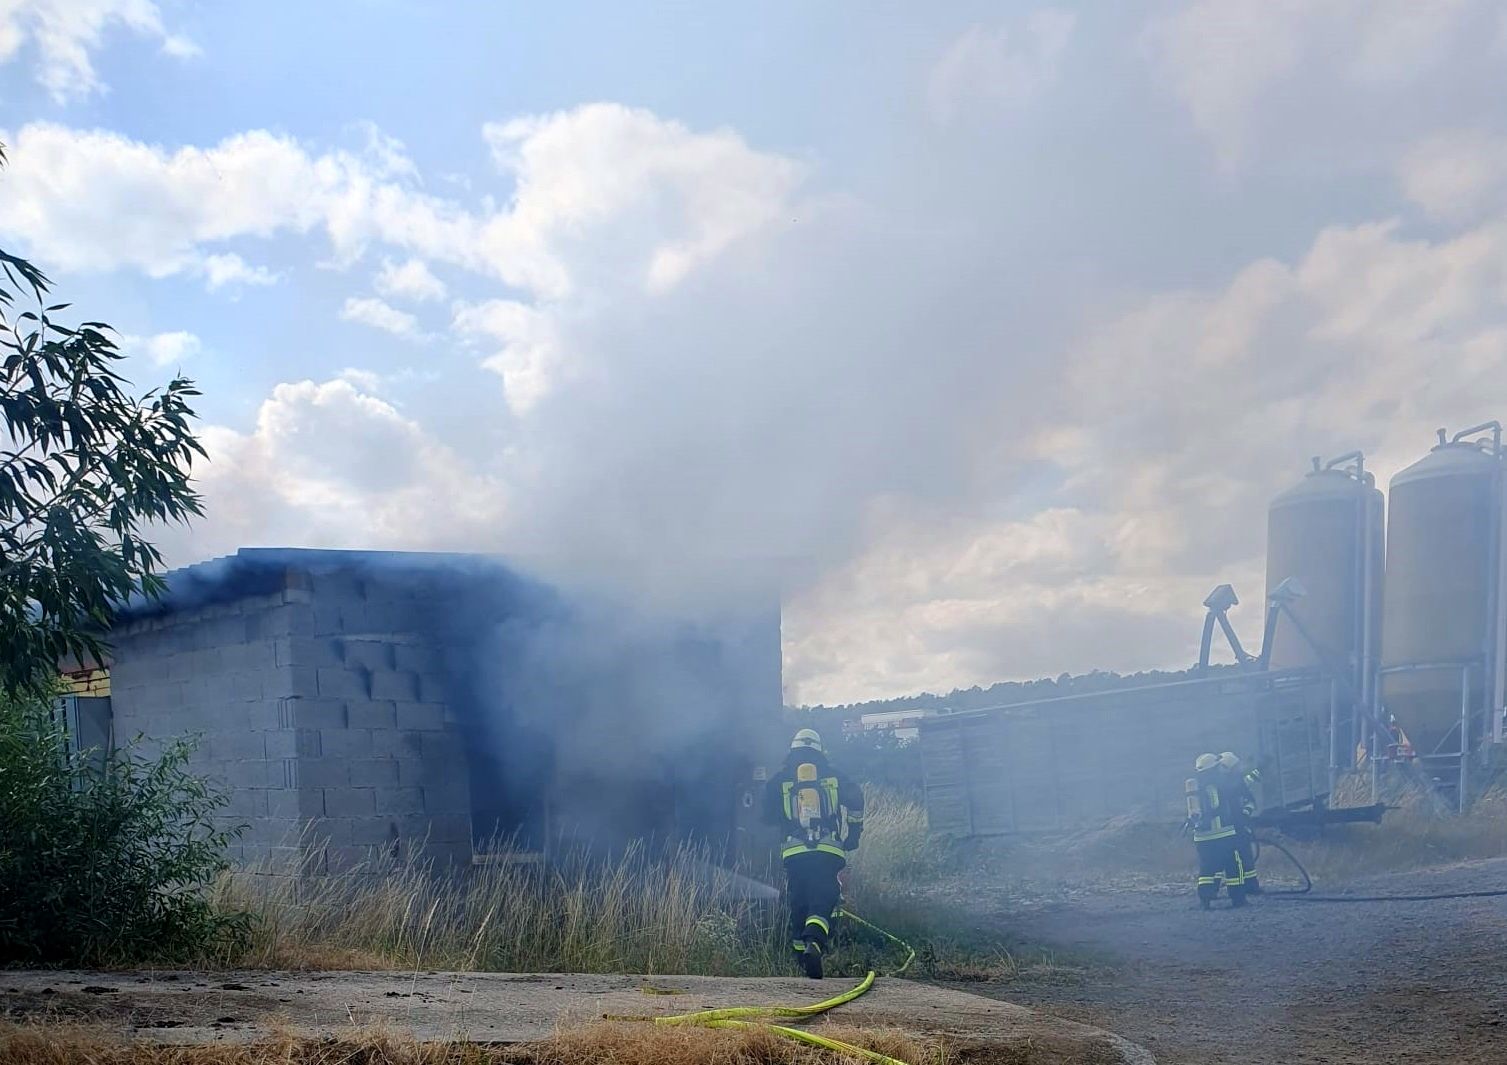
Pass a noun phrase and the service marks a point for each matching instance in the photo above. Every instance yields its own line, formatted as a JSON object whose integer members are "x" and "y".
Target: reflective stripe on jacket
{"x": 1215, "y": 820}
{"x": 841, "y": 829}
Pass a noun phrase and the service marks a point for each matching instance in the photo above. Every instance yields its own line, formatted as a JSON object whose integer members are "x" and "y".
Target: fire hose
{"x": 745, "y": 1017}
{"x": 1302, "y": 894}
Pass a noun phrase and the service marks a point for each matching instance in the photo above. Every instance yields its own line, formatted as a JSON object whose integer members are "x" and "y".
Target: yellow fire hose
{"x": 736, "y": 1016}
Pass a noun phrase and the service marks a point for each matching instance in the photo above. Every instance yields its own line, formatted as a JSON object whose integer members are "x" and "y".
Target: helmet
{"x": 806, "y": 737}
{"x": 1206, "y": 762}
{"x": 1229, "y": 760}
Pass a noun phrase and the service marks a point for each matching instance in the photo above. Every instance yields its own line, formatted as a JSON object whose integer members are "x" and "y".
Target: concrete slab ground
{"x": 195, "y": 1007}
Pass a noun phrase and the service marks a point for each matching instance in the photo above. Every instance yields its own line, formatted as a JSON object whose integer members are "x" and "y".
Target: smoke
{"x": 995, "y": 384}
{"x": 632, "y": 725}
{"x": 586, "y": 718}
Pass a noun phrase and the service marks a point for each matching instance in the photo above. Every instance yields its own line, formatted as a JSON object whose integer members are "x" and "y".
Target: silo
{"x": 1441, "y": 648}
{"x": 1326, "y": 531}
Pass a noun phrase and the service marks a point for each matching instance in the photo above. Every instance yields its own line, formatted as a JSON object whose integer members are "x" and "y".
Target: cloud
{"x": 1338, "y": 81}
{"x": 328, "y": 464}
{"x": 529, "y": 357}
{"x": 229, "y": 269}
{"x": 608, "y": 195}
{"x": 373, "y": 312}
{"x": 1001, "y": 67}
{"x": 938, "y": 603}
{"x": 63, "y": 35}
{"x": 97, "y": 200}
{"x": 164, "y": 349}
{"x": 408, "y": 280}
{"x": 610, "y": 204}
{"x": 1456, "y": 176}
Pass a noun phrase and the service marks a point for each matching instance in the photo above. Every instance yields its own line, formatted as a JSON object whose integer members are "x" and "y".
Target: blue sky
{"x": 983, "y": 330}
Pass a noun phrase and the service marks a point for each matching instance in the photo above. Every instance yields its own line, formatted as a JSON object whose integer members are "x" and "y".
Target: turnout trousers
{"x": 1219, "y": 862}
{"x": 1245, "y": 850}
{"x": 813, "y": 894}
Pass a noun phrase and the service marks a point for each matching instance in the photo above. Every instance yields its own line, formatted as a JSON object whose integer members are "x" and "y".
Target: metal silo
{"x": 1442, "y": 626}
{"x": 1326, "y": 531}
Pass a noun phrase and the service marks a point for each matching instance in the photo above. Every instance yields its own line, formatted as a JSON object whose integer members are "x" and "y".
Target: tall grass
{"x": 639, "y": 911}
{"x": 670, "y": 911}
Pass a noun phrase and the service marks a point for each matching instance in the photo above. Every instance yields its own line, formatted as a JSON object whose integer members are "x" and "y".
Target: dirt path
{"x": 251, "y": 1006}
{"x": 1284, "y": 982}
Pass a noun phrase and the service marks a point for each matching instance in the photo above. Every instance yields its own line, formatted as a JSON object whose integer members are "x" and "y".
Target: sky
{"x": 983, "y": 332}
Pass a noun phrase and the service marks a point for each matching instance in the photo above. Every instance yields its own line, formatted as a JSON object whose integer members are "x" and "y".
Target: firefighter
{"x": 1242, "y": 783}
{"x": 821, "y": 813}
{"x": 1212, "y": 814}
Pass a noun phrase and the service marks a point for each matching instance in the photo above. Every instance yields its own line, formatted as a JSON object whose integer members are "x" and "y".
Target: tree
{"x": 86, "y": 468}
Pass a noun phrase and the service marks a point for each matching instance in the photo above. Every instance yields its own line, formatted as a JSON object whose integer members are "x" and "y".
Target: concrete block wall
{"x": 220, "y": 672}
{"x": 321, "y": 706}
{"x": 380, "y": 764}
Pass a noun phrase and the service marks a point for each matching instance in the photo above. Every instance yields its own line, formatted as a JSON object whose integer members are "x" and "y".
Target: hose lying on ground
{"x": 1302, "y": 894}
{"x": 737, "y": 1016}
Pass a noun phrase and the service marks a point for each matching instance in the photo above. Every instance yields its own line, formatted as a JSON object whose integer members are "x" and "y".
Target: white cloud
{"x": 63, "y": 35}
{"x": 939, "y": 603}
{"x": 1338, "y": 80}
{"x": 1456, "y": 176}
{"x": 388, "y": 156}
{"x": 164, "y": 349}
{"x": 999, "y": 67}
{"x": 370, "y": 311}
{"x": 330, "y": 465}
{"x": 408, "y": 280}
{"x": 530, "y": 358}
{"x": 603, "y": 195}
{"x": 368, "y": 381}
{"x": 610, "y": 205}
{"x": 606, "y": 192}
{"x": 231, "y": 269}
{"x": 97, "y": 200}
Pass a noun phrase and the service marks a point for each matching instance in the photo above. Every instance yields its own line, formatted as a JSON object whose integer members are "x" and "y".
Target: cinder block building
{"x": 360, "y": 700}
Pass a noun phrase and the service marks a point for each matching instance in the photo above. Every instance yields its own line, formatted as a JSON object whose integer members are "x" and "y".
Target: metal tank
{"x": 1326, "y": 531}
{"x": 1442, "y": 625}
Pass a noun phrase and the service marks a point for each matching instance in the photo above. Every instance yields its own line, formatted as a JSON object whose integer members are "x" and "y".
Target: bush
{"x": 105, "y": 861}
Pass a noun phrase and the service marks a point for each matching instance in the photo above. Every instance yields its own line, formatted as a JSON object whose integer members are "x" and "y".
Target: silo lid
{"x": 1321, "y": 484}
{"x": 1448, "y": 460}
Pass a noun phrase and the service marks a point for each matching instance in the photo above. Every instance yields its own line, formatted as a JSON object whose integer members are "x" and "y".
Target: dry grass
{"x": 1416, "y": 834}
{"x": 599, "y": 1044}
{"x": 669, "y": 912}
{"x": 674, "y": 912}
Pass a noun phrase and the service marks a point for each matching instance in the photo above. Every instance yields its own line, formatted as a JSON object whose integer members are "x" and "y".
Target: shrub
{"x": 104, "y": 861}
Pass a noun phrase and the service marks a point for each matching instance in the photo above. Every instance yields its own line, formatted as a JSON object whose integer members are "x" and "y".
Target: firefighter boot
{"x": 811, "y": 959}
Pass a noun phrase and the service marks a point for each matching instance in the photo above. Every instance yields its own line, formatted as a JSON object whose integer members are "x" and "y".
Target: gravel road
{"x": 1283, "y": 981}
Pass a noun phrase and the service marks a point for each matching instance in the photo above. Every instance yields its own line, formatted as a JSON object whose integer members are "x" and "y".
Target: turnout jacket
{"x": 819, "y": 807}
{"x": 1225, "y": 804}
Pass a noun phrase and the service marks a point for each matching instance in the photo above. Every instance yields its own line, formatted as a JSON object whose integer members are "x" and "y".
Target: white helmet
{"x": 1229, "y": 760}
{"x": 1206, "y": 762}
{"x": 807, "y": 738}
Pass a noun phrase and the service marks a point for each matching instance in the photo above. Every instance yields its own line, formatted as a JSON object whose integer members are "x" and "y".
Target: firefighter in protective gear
{"x": 1212, "y": 813}
{"x": 821, "y": 813}
{"x": 1242, "y": 783}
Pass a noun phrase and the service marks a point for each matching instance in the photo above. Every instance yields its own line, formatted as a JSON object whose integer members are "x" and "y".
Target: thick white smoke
{"x": 994, "y": 385}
